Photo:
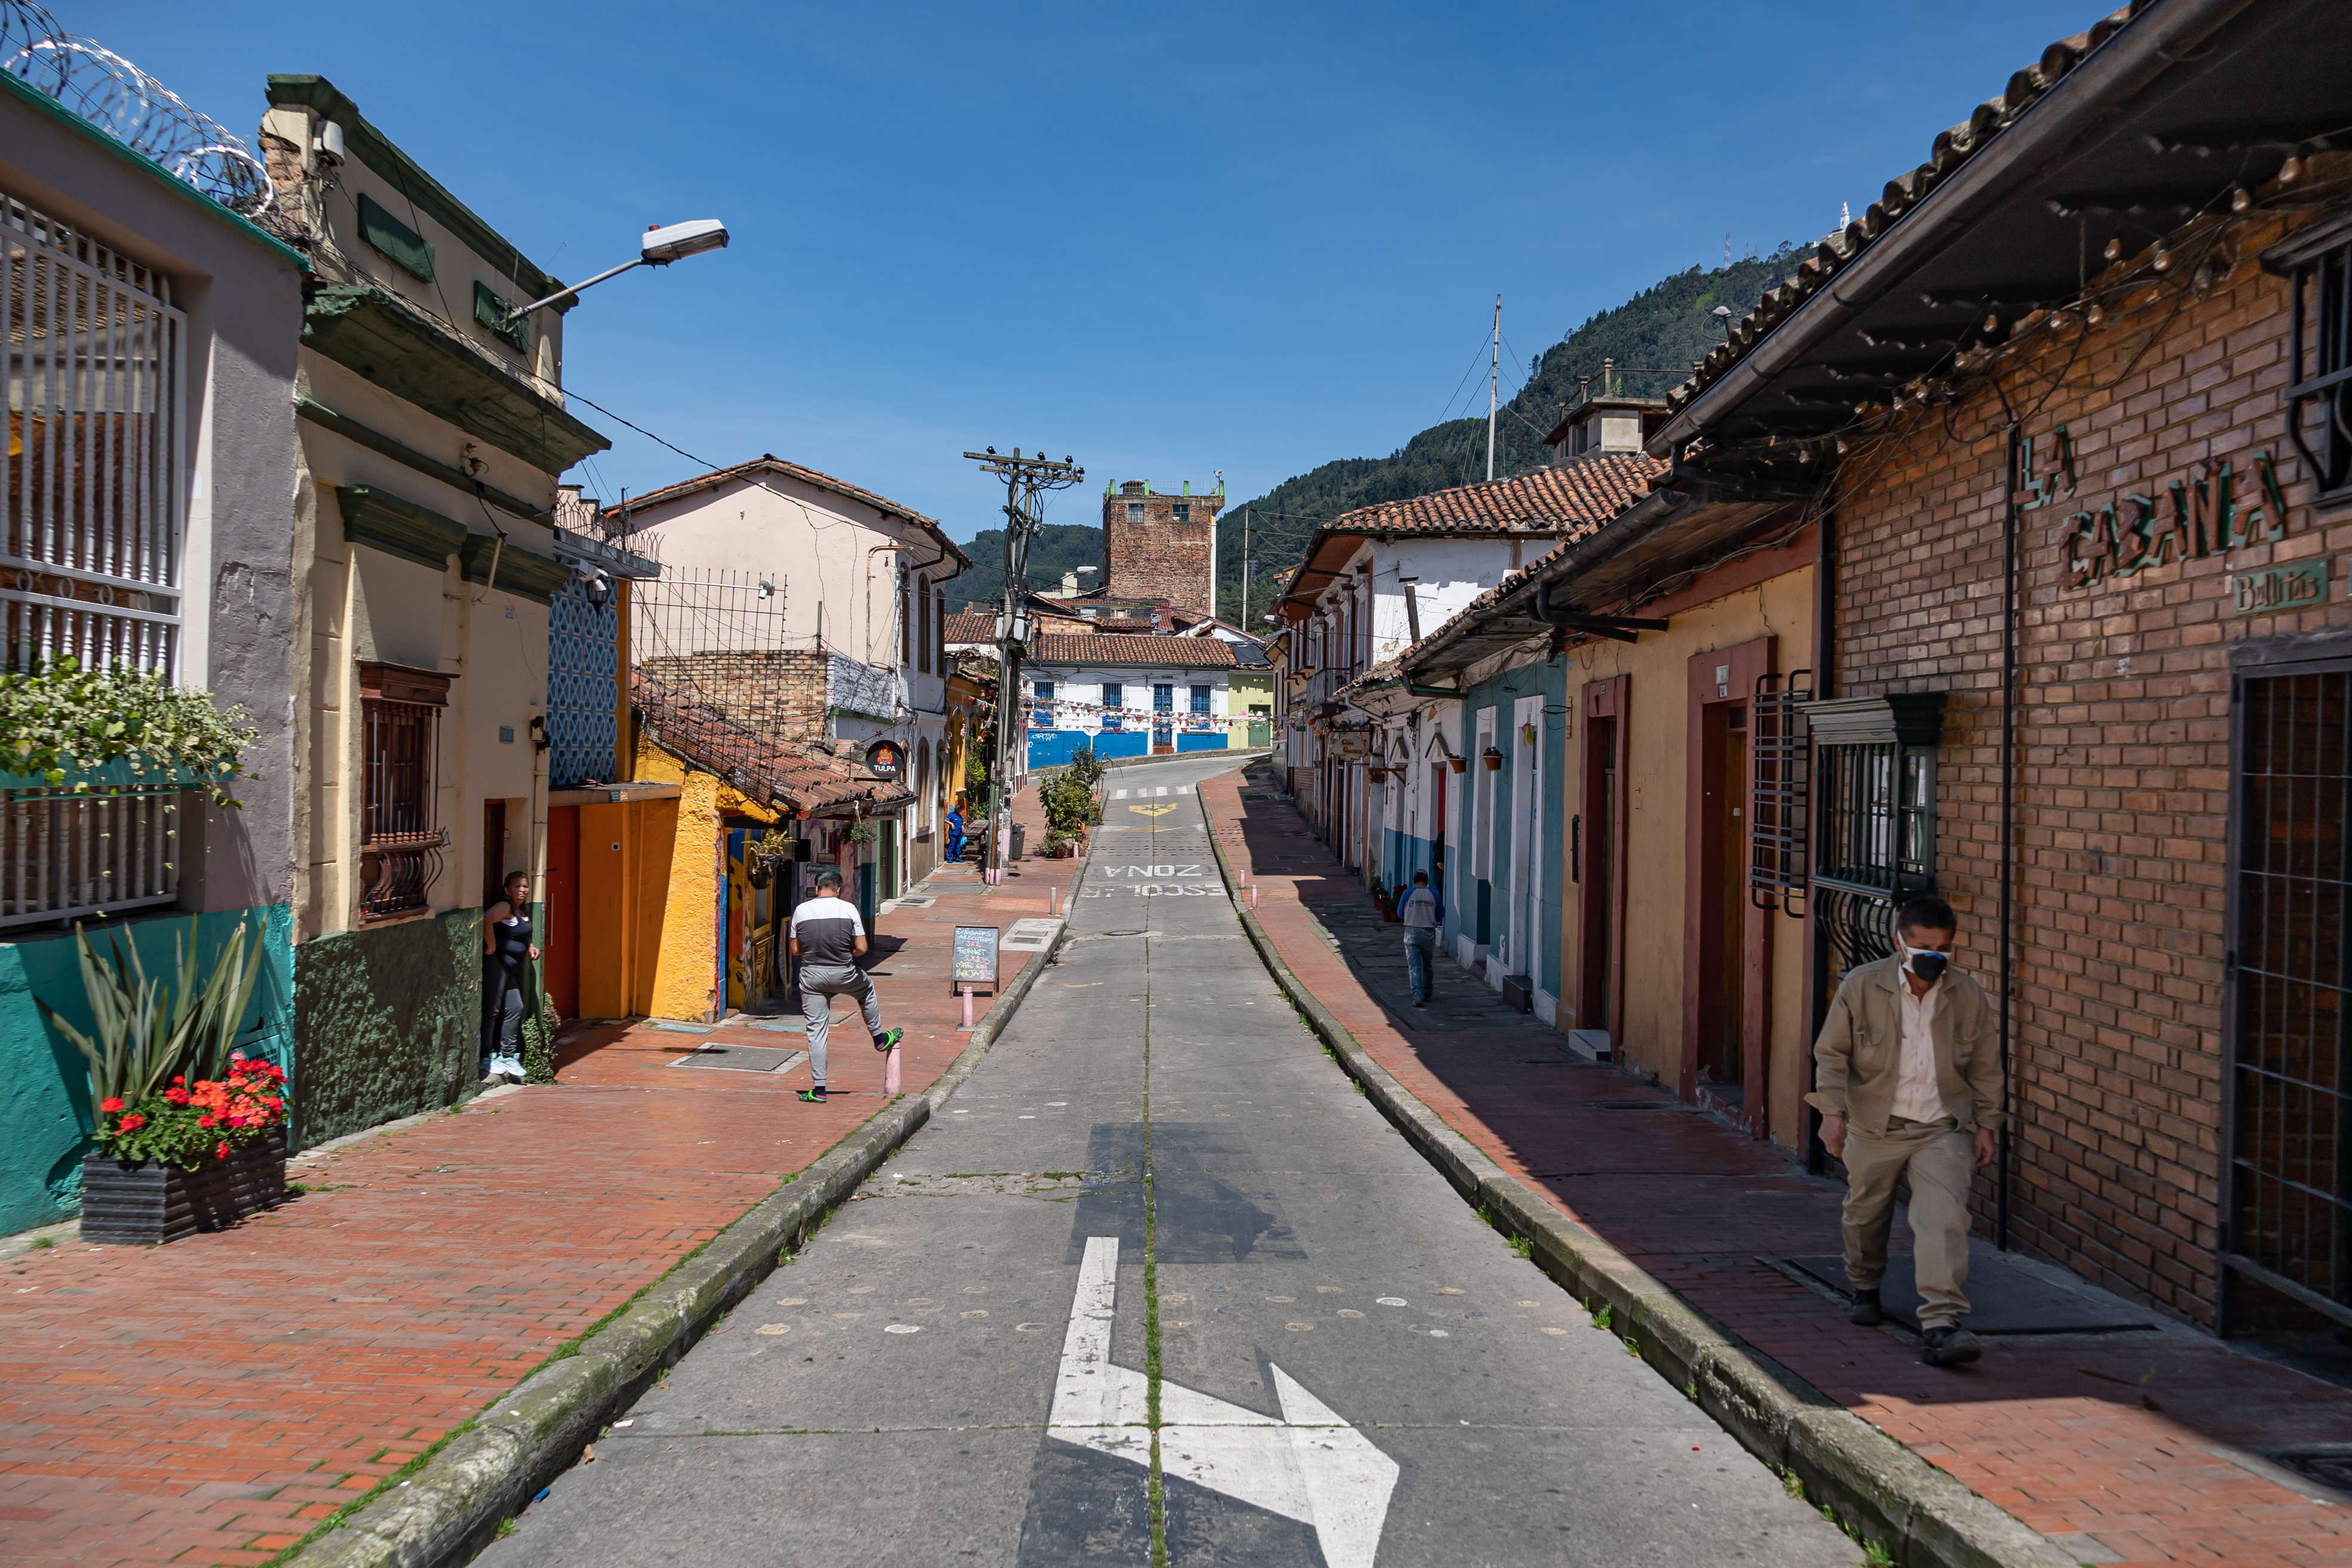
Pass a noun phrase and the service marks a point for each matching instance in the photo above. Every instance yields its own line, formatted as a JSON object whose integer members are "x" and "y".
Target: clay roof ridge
{"x": 1952, "y": 148}
{"x": 769, "y": 461}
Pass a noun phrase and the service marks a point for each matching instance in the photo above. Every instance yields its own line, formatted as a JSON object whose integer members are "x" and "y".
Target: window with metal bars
{"x": 2318, "y": 264}
{"x": 1873, "y": 788}
{"x": 400, "y": 842}
{"x": 2290, "y": 1087}
{"x": 90, "y": 491}
{"x": 1780, "y": 820}
{"x": 91, "y": 512}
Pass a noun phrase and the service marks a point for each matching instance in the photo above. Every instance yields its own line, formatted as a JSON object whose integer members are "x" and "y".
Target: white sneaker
{"x": 512, "y": 1066}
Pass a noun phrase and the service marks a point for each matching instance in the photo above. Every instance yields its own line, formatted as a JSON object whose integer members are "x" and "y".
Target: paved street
{"x": 1160, "y": 1278}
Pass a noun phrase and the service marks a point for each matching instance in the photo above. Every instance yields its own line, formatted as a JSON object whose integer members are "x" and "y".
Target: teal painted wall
{"x": 45, "y": 1112}
{"x": 387, "y": 1020}
{"x": 1549, "y": 679}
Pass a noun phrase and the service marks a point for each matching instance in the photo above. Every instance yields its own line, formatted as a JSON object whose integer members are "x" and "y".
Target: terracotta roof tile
{"x": 965, "y": 627}
{"x": 787, "y": 776}
{"x": 1135, "y": 648}
{"x": 1951, "y": 149}
{"x": 1578, "y": 497}
{"x": 1567, "y": 502}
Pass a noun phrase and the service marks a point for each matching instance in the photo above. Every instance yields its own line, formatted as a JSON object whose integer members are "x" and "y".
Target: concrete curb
{"x": 450, "y": 1508}
{"x": 1923, "y": 1517}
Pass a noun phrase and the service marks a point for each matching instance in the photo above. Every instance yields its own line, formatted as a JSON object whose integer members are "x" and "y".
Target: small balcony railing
{"x": 396, "y": 872}
{"x": 63, "y": 857}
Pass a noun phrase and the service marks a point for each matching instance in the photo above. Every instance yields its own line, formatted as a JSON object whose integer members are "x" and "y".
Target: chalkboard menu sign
{"x": 975, "y": 957}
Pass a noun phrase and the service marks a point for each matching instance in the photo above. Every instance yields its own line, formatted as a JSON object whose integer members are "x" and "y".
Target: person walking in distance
{"x": 828, "y": 938}
{"x": 1419, "y": 913}
{"x": 955, "y": 831}
{"x": 1910, "y": 1080}
{"x": 506, "y": 947}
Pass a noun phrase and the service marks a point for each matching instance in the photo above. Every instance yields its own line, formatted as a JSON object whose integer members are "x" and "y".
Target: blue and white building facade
{"x": 1127, "y": 695}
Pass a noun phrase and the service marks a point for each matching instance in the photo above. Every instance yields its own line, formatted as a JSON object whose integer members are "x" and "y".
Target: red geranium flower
{"x": 204, "y": 1121}
{"x": 223, "y": 1150}
{"x": 132, "y": 1122}
{"x": 110, "y": 1103}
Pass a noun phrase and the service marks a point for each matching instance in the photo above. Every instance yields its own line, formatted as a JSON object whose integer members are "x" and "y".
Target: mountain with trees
{"x": 1058, "y": 547}
{"x": 1652, "y": 338}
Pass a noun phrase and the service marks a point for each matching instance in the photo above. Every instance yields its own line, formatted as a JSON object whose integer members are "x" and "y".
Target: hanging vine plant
{"x": 62, "y": 724}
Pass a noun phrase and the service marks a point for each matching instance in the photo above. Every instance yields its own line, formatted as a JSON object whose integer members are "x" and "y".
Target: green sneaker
{"x": 887, "y": 1038}
{"x": 814, "y": 1096}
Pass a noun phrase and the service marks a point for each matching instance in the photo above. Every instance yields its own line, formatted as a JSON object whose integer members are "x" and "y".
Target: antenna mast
{"x": 1494, "y": 384}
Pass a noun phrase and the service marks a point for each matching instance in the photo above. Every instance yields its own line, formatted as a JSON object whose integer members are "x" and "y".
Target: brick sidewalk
{"x": 210, "y": 1401}
{"x": 2123, "y": 1447}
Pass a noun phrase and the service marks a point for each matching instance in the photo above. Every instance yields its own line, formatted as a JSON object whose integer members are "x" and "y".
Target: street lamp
{"x": 660, "y": 247}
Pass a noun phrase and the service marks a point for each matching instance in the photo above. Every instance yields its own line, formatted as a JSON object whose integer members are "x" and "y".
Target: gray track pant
{"x": 820, "y": 983}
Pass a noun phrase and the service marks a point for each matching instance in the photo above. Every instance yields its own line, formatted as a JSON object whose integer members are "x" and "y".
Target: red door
{"x": 561, "y": 943}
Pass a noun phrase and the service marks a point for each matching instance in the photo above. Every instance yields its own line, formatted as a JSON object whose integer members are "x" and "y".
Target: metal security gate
{"x": 89, "y": 477}
{"x": 90, "y": 511}
{"x": 2289, "y": 1199}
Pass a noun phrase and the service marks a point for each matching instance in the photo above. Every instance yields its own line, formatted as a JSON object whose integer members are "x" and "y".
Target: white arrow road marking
{"x": 1307, "y": 1465}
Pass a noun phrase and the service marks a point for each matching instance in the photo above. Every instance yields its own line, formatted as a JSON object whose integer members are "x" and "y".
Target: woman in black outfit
{"x": 506, "y": 945}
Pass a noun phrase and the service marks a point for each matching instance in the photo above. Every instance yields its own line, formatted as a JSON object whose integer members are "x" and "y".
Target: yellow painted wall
{"x": 673, "y": 966}
{"x": 1658, "y": 835}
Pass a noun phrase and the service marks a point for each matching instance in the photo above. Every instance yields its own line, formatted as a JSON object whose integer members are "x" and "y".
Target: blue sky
{"x": 1167, "y": 240}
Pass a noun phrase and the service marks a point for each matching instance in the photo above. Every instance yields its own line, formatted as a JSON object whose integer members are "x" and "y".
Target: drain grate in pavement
{"x": 742, "y": 1058}
{"x": 1123, "y": 934}
{"x": 2329, "y": 1464}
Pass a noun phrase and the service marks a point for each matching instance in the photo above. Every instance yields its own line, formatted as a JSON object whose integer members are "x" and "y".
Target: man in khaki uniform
{"x": 1909, "y": 1075}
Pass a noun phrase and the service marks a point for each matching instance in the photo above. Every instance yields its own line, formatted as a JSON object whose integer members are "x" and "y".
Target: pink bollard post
{"x": 967, "y": 1007}
{"x": 1253, "y": 897}
{"x": 890, "y": 1072}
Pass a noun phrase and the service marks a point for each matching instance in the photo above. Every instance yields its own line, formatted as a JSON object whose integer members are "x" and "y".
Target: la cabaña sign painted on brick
{"x": 2210, "y": 511}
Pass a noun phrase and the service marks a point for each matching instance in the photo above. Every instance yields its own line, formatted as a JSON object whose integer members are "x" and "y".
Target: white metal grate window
{"x": 89, "y": 542}
{"x": 90, "y": 509}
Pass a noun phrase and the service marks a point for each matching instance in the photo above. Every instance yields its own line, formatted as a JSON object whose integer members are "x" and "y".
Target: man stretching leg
{"x": 829, "y": 938}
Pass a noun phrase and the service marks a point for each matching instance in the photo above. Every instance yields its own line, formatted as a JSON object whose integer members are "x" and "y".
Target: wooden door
{"x": 560, "y": 940}
{"x": 494, "y": 851}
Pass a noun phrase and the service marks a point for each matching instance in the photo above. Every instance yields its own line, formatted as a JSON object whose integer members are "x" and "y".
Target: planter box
{"x": 149, "y": 1203}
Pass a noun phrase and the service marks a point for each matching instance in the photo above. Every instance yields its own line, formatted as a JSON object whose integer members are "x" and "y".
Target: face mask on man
{"x": 1927, "y": 965}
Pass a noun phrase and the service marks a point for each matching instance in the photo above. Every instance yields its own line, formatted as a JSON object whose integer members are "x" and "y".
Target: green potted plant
{"x": 191, "y": 1133}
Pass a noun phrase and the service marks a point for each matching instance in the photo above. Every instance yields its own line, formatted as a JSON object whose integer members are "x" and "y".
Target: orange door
{"x": 561, "y": 943}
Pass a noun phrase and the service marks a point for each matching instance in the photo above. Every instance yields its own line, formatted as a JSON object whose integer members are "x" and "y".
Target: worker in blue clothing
{"x": 955, "y": 830}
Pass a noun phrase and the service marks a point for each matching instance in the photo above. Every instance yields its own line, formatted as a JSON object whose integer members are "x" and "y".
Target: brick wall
{"x": 1159, "y": 558}
{"x": 779, "y": 693}
{"x": 2123, "y": 748}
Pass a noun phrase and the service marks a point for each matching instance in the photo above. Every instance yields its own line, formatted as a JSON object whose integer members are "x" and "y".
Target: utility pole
{"x": 1026, "y": 481}
{"x": 1494, "y": 384}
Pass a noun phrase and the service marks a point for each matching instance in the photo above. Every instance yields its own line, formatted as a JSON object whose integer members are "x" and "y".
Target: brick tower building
{"x": 1160, "y": 548}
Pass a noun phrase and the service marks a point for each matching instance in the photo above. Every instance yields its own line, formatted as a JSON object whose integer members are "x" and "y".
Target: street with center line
{"x": 1158, "y": 1285}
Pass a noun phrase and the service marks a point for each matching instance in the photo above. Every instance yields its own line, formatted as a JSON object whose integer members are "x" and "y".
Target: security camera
{"x": 662, "y": 246}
